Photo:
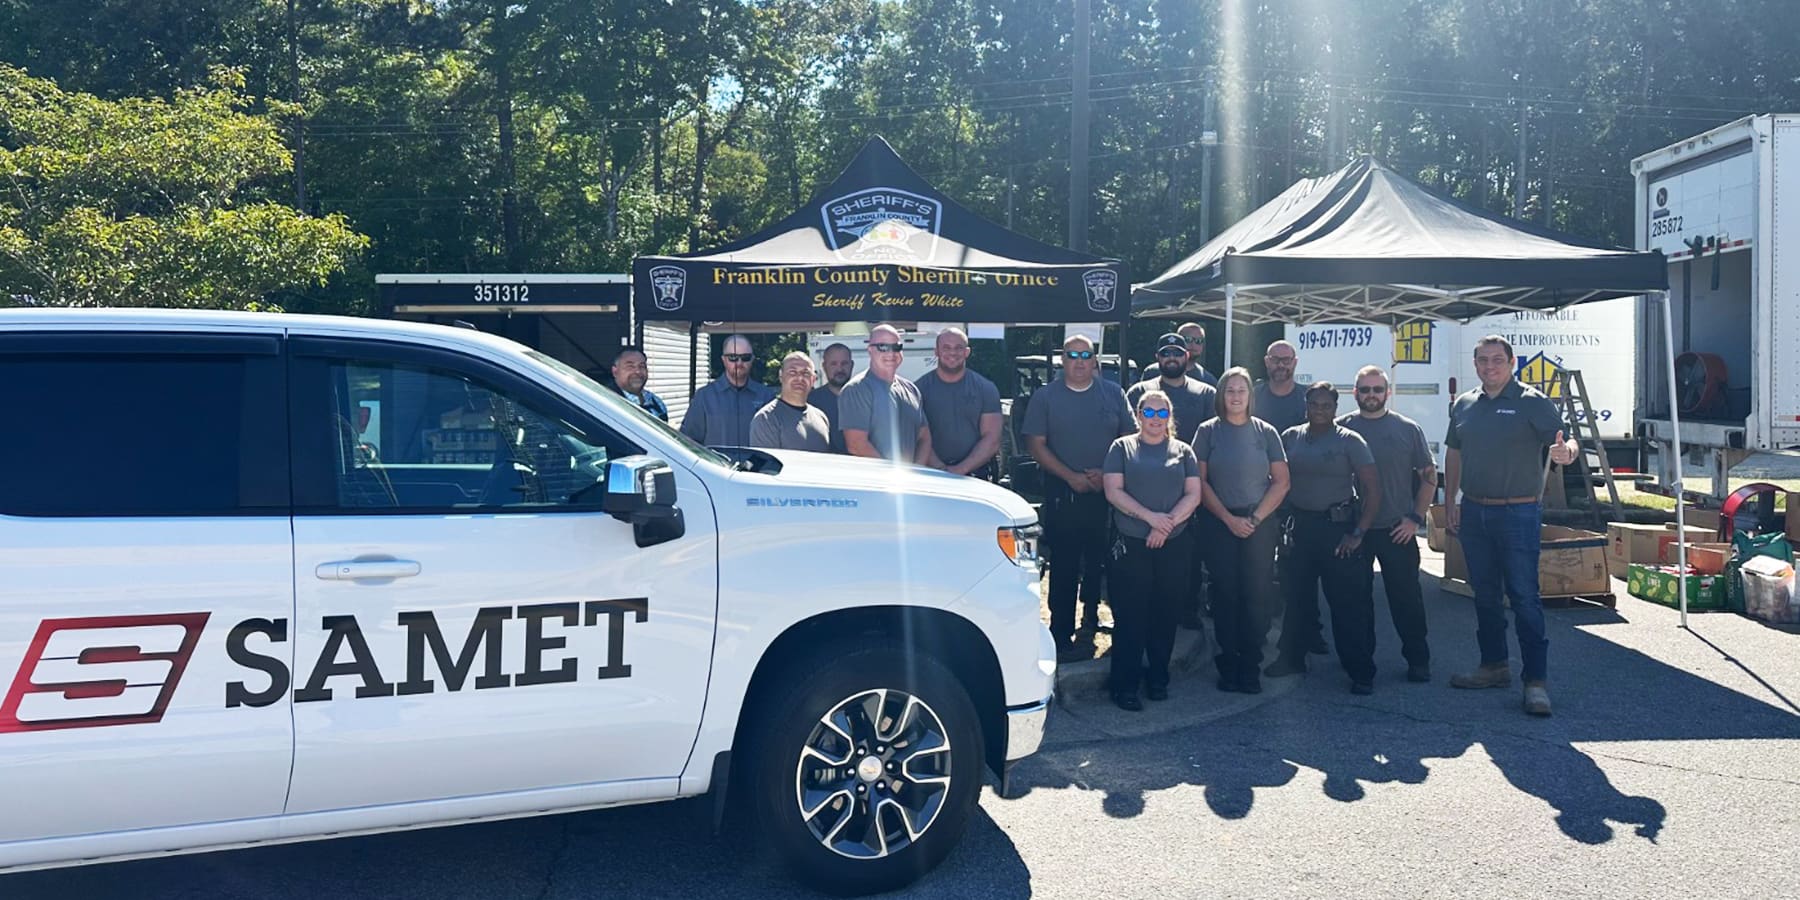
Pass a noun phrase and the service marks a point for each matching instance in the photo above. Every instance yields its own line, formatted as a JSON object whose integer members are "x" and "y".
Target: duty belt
{"x": 1500, "y": 501}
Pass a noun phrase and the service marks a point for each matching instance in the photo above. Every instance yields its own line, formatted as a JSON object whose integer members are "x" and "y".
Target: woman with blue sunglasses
{"x": 1152, "y": 481}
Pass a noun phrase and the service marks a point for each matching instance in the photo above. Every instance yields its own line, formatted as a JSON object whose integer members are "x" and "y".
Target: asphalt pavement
{"x": 1671, "y": 768}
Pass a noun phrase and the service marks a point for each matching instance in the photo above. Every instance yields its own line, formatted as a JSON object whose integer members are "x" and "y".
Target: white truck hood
{"x": 831, "y": 470}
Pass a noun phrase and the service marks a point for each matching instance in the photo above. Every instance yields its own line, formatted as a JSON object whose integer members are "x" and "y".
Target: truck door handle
{"x": 358, "y": 569}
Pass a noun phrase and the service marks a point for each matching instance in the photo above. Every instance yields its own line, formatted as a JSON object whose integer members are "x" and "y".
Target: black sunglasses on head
{"x": 888, "y": 348}
{"x": 1081, "y": 354}
{"x": 738, "y": 357}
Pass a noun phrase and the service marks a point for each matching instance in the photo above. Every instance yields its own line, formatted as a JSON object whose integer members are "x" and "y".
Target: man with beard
{"x": 1194, "y": 336}
{"x": 1408, "y": 478}
{"x": 719, "y": 415}
{"x": 1279, "y": 401}
{"x": 630, "y": 371}
{"x": 962, "y": 409}
{"x": 838, "y": 369}
{"x": 1192, "y": 402}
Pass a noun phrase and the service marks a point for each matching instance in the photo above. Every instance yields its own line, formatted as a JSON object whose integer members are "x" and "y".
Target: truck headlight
{"x": 1019, "y": 544}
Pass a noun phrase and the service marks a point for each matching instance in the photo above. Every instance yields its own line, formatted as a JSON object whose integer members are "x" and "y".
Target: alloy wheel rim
{"x": 873, "y": 774}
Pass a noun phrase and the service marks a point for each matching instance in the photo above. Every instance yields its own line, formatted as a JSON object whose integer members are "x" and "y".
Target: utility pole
{"x": 1519, "y": 171}
{"x": 1209, "y": 138}
{"x": 1078, "y": 134}
{"x": 293, "y": 37}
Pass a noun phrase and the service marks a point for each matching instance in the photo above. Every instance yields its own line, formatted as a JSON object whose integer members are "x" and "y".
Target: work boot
{"x": 1498, "y": 675}
{"x": 1537, "y": 698}
{"x": 1419, "y": 673}
{"x": 1074, "y": 653}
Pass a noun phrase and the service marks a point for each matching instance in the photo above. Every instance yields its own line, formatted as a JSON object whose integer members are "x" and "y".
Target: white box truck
{"x": 1719, "y": 205}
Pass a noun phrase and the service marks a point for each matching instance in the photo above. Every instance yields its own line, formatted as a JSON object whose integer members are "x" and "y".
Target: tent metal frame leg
{"x": 1674, "y": 476}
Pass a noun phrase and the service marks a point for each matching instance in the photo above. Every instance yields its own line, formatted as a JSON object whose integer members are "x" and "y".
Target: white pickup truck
{"x": 235, "y": 611}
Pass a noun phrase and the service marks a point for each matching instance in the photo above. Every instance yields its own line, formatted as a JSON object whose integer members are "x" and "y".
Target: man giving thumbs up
{"x": 1493, "y": 458}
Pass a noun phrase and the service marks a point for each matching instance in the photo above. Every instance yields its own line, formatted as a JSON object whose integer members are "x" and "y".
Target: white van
{"x": 233, "y": 616}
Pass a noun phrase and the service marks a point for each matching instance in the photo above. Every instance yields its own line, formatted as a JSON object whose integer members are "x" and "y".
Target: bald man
{"x": 720, "y": 413}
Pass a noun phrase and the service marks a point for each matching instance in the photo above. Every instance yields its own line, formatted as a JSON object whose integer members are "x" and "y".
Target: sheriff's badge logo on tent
{"x": 1102, "y": 285}
{"x": 670, "y": 283}
{"x": 883, "y": 224}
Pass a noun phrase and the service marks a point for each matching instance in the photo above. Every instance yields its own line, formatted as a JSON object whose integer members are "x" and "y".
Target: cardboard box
{"x": 1665, "y": 544}
{"x": 1571, "y": 562}
{"x": 1436, "y": 535}
{"x": 1707, "y": 559}
{"x": 1628, "y": 544}
{"x": 1661, "y": 585}
{"x": 1704, "y": 519}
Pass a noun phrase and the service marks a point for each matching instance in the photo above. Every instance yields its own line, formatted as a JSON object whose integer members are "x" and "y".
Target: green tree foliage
{"x": 150, "y": 202}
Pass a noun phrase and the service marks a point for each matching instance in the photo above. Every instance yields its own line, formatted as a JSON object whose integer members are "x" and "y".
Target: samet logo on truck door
{"x": 123, "y": 670}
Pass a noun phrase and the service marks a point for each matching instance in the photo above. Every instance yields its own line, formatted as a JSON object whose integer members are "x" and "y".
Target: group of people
{"x": 1186, "y": 492}
{"x": 1187, "y": 495}
{"x": 949, "y": 419}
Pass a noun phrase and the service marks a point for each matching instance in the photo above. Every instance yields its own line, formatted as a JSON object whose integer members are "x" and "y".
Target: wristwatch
{"x": 1416, "y": 519}
{"x": 1254, "y": 520}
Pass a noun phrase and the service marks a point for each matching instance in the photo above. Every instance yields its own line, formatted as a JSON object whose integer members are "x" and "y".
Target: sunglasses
{"x": 1371, "y": 388}
{"x": 738, "y": 357}
{"x": 888, "y": 348}
{"x": 1149, "y": 413}
{"x": 1171, "y": 352}
{"x": 1081, "y": 354}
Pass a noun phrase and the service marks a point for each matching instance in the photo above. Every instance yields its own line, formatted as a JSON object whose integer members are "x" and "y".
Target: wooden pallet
{"x": 1567, "y": 601}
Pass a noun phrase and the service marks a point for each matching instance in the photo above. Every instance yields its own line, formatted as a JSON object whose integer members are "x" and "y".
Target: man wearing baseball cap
{"x": 1192, "y": 402}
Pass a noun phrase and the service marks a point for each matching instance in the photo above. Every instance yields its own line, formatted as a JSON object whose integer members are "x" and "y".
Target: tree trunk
{"x": 509, "y": 198}
{"x": 697, "y": 190}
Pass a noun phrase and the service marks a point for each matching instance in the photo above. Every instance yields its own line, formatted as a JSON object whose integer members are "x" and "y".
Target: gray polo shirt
{"x": 1192, "y": 402}
{"x": 719, "y": 415}
{"x": 1237, "y": 459}
{"x": 786, "y": 427}
{"x": 1502, "y": 440}
{"x": 890, "y": 411}
{"x": 954, "y": 409}
{"x": 1079, "y": 426}
{"x": 1155, "y": 475}
{"x": 1322, "y": 468}
{"x": 1398, "y": 444}
{"x": 1281, "y": 412}
{"x": 827, "y": 403}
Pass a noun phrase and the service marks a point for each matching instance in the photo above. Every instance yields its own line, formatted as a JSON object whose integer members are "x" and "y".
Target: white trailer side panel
{"x": 671, "y": 366}
{"x": 1781, "y": 361}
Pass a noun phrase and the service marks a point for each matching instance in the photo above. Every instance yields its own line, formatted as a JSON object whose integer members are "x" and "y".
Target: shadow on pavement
{"x": 1604, "y": 691}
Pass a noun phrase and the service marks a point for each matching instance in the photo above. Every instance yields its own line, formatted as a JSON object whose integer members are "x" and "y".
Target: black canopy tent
{"x": 880, "y": 243}
{"x": 1365, "y": 244}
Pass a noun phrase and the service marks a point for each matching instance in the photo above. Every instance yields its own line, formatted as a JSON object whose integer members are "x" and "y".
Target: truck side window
{"x": 140, "y": 432}
{"x": 412, "y": 437}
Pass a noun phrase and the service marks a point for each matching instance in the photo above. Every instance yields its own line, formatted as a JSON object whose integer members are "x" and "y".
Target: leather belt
{"x": 1500, "y": 501}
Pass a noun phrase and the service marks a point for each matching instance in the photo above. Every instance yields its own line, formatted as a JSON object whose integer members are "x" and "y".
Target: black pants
{"x": 1075, "y": 533}
{"x": 1400, "y": 581}
{"x": 1147, "y": 587}
{"x": 1347, "y": 591}
{"x": 1240, "y": 585}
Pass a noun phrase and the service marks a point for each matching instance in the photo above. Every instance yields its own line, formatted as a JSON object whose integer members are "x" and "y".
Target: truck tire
{"x": 866, "y": 767}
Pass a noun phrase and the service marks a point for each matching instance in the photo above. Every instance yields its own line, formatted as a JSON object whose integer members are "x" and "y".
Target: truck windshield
{"x": 613, "y": 401}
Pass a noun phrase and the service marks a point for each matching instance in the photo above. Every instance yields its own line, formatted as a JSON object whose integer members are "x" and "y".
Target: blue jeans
{"x": 1500, "y": 544}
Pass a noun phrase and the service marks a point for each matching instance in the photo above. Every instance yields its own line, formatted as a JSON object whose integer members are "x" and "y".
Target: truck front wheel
{"x": 868, "y": 767}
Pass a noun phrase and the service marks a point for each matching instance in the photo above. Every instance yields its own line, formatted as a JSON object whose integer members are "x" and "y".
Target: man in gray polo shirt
{"x": 838, "y": 367}
{"x": 1069, "y": 426}
{"x": 1408, "y": 485}
{"x": 788, "y": 422}
{"x": 719, "y": 415}
{"x": 1279, "y": 401}
{"x": 962, "y": 409}
{"x": 880, "y": 412}
{"x": 1495, "y": 444}
{"x": 1193, "y": 402}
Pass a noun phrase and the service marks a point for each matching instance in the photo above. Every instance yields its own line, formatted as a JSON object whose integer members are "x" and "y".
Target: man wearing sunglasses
{"x": 719, "y": 415}
{"x": 1193, "y": 402}
{"x": 1279, "y": 399}
{"x": 1193, "y": 337}
{"x": 1408, "y": 477}
{"x": 880, "y": 412}
{"x": 1070, "y": 425}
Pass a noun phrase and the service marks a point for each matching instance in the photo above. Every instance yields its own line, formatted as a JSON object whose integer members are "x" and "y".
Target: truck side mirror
{"x": 638, "y": 488}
